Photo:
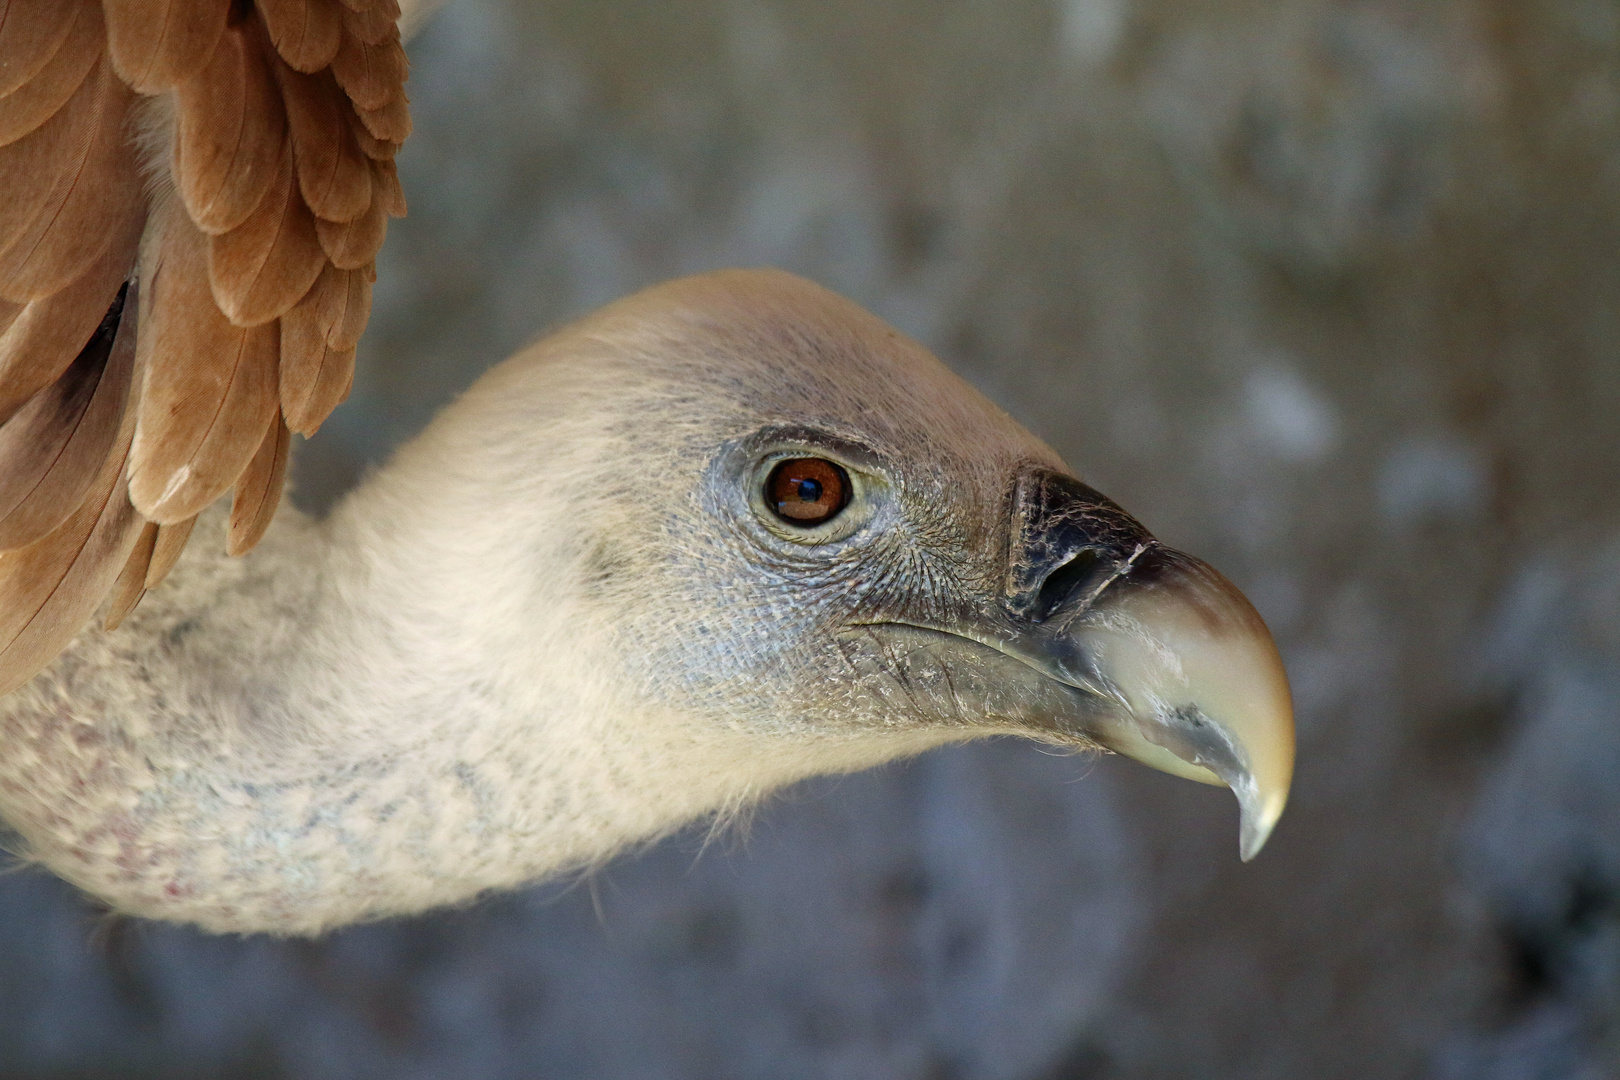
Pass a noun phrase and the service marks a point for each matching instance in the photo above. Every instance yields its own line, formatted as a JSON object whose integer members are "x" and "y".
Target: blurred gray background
{"x": 1326, "y": 291}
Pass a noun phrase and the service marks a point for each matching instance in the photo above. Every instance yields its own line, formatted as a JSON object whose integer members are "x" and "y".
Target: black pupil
{"x": 810, "y": 490}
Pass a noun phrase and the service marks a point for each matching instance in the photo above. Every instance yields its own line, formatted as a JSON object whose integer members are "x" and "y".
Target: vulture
{"x": 722, "y": 535}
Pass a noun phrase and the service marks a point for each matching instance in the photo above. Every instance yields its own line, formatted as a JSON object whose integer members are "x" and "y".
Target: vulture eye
{"x": 807, "y": 491}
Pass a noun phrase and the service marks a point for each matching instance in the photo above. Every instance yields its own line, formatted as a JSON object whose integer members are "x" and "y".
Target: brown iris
{"x": 807, "y": 491}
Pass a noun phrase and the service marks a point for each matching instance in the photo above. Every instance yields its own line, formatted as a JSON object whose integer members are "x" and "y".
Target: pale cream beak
{"x": 1199, "y": 682}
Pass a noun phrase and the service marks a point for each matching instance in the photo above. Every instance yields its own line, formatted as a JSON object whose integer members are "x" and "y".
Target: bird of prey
{"x": 723, "y": 535}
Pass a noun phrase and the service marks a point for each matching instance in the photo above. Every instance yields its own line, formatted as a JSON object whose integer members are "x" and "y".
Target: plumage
{"x": 208, "y": 387}
{"x": 131, "y": 584}
{"x": 157, "y": 44}
{"x": 315, "y": 379}
{"x": 219, "y": 149}
{"x": 47, "y": 333}
{"x": 231, "y": 134}
{"x": 258, "y": 490}
{"x": 374, "y": 148}
{"x": 55, "y": 584}
{"x": 372, "y": 26}
{"x": 52, "y": 449}
{"x": 371, "y": 74}
{"x": 392, "y": 122}
{"x": 25, "y": 107}
{"x": 30, "y": 33}
{"x": 332, "y": 172}
{"x": 265, "y": 265}
{"x": 37, "y": 171}
{"x": 385, "y": 178}
{"x": 333, "y": 314}
{"x": 354, "y": 244}
{"x": 304, "y": 32}
{"x": 171, "y": 541}
{"x": 97, "y": 190}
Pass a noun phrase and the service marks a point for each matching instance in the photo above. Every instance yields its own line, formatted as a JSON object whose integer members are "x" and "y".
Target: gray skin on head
{"x": 775, "y": 620}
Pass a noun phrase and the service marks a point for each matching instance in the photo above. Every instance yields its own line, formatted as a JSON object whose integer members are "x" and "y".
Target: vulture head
{"x": 742, "y": 517}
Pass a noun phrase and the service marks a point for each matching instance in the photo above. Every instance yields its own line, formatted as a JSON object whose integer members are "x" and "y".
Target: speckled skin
{"x": 557, "y": 624}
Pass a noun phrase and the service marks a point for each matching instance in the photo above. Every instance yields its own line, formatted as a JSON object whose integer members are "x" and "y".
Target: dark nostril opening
{"x": 1077, "y": 575}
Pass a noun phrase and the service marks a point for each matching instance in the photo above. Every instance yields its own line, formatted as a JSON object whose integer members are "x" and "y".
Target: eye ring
{"x": 807, "y": 491}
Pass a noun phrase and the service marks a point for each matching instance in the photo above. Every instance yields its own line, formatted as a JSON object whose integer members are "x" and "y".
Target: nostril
{"x": 1082, "y": 569}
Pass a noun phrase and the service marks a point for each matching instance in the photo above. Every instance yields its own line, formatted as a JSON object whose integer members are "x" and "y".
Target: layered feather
{"x": 52, "y": 586}
{"x": 47, "y": 333}
{"x": 208, "y": 386}
{"x": 257, "y": 227}
{"x": 131, "y": 584}
{"x": 51, "y": 451}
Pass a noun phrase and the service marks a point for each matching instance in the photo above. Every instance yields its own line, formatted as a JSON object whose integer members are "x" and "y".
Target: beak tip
{"x": 1260, "y": 816}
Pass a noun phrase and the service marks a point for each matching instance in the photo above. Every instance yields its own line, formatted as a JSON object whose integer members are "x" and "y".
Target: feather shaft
{"x": 333, "y": 174}
{"x": 315, "y": 379}
{"x": 157, "y": 44}
{"x": 265, "y": 265}
{"x": 94, "y": 193}
{"x": 30, "y": 34}
{"x": 231, "y": 134}
{"x": 26, "y": 107}
{"x": 392, "y": 122}
{"x": 372, "y": 75}
{"x": 131, "y": 584}
{"x": 351, "y": 245}
{"x": 208, "y": 387}
{"x": 171, "y": 542}
{"x": 305, "y": 32}
{"x": 258, "y": 490}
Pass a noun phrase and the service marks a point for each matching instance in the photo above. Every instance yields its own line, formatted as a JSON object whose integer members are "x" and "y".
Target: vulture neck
{"x": 371, "y": 715}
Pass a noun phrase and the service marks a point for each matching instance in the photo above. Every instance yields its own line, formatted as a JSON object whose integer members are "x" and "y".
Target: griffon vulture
{"x": 723, "y": 535}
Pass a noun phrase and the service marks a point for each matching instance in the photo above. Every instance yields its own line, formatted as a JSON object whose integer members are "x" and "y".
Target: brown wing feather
{"x": 52, "y": 449}
{"x": 47, "y": 333}
{"x": 231, "y": 134}
{"x": 385, "y": 178}
{"x": 156, "y": 44}
{"x": 392, "y": 122}
{"x": 351, "y": 245}
{"x": 25, "y": 107}
{"x": 374, "y": 148}
{"x": 53, "y": 586}
{"x": 266, "y": 264}
{"x": 39, "y": 168}
{"x": 258, "y": 490}
{"x": 171, "y": 541}
{"x": 287, "y": 116}
{"x": 131, "y": 584}
{"x": 372, "y": 26}
{"x": 101, "y": 185}
{"x": 371, "y": 74}
{"x": 208, "y": 387}
{"x": 304, "y": 32}
{"x": 30, "y": 33}
{"x": 333, "y": 174}
{"x": 315, "y": 379}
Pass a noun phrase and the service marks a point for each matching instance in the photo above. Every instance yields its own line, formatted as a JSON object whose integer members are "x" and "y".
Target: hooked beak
{"x": 1185, "y": 673}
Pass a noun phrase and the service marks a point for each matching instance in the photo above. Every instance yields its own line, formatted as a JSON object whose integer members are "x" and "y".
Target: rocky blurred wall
{"x": 1327, "y": 291}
